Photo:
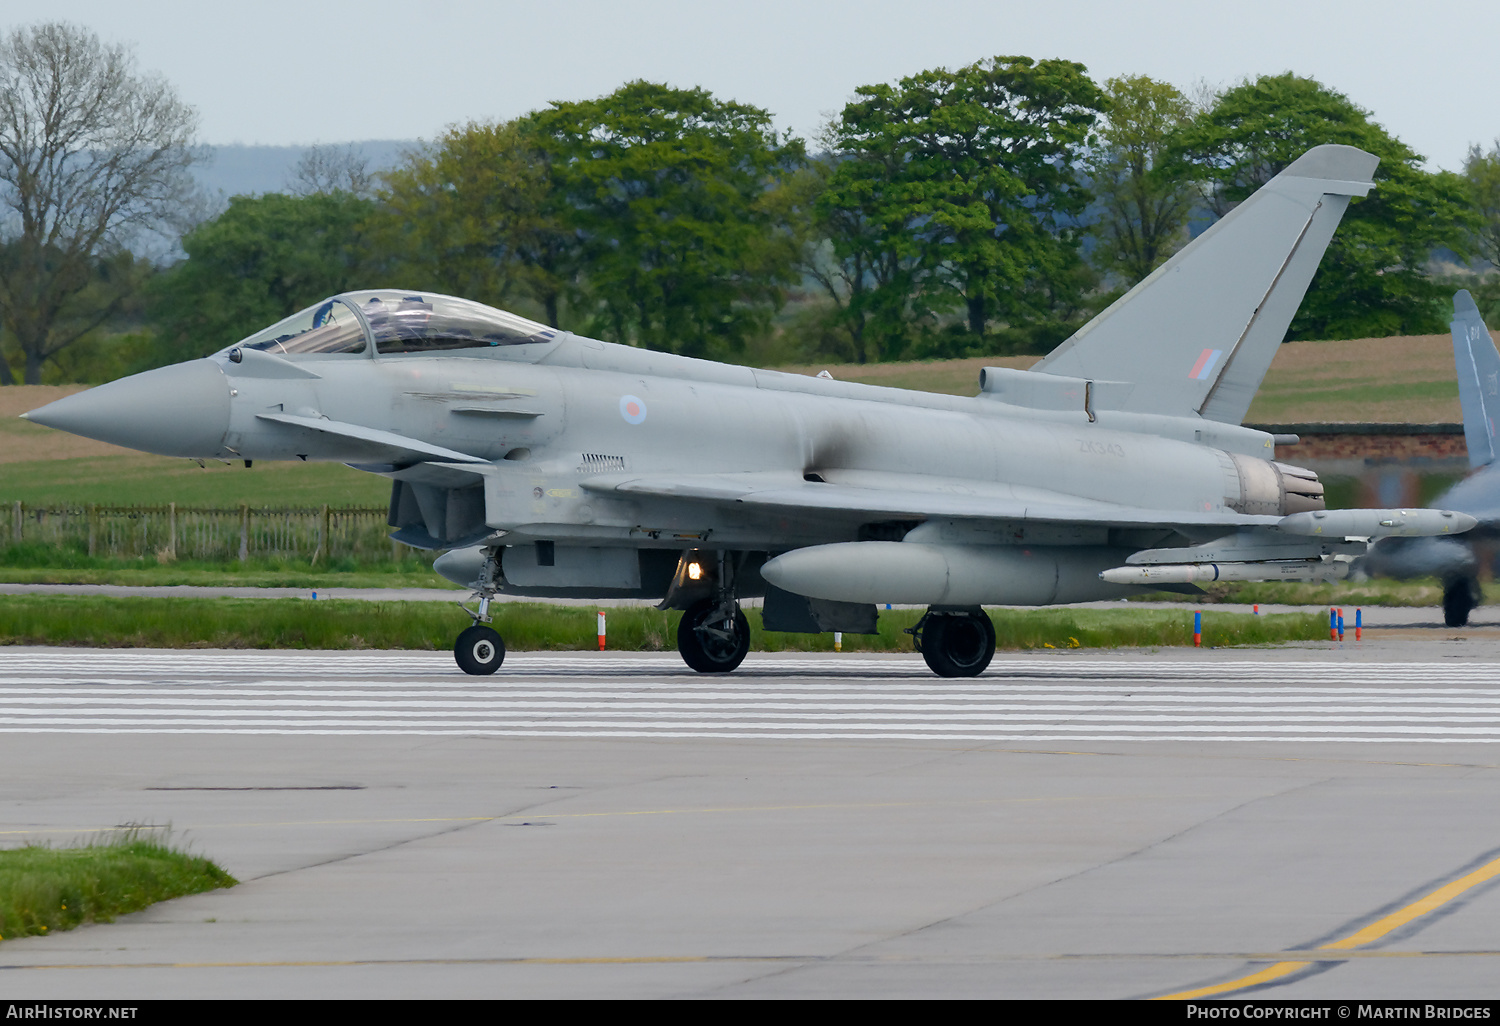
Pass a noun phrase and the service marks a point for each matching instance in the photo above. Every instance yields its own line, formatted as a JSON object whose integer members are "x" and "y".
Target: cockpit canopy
{"x": 394, "y": 321}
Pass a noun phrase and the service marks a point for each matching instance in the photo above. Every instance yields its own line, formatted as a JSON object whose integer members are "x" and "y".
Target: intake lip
{"x": 182, "y": 410}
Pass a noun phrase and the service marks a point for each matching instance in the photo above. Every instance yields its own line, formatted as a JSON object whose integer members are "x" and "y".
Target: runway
{"x": 1119, "y": 825}
{"x": 774, "y": 697}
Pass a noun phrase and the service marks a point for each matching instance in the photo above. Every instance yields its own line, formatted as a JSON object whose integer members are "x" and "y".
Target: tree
{"x": 93, "y": 155}
{"x": 667, "y": 192}
{"x": 264, "y": 258}
{"x": 1372, "y": 280}
{"x": 1143, "y": 204}
{"x": 474, "y": 215}
{"x": 965, "y": 184}
{"x": 1482, "y": 176}
{"x": 860, "y": 240}
{"x": 329, "y": 168}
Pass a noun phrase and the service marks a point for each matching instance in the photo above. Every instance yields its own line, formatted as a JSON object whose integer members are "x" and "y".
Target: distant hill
{"x": 250, "y": 170}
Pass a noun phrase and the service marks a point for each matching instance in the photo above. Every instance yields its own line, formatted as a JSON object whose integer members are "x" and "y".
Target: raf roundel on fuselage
{"x": 394, "y": 322}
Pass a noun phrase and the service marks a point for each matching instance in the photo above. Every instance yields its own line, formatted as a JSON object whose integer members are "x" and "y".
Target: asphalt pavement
{"x": 1129, "y": 824}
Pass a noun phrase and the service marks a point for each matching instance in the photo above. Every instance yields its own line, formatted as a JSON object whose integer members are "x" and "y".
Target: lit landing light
{"x": 182, "y": 410}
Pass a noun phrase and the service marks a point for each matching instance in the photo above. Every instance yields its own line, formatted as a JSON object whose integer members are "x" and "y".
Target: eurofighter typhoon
{"x": 1455, "y": 561}
{"x": 550, "y": 464}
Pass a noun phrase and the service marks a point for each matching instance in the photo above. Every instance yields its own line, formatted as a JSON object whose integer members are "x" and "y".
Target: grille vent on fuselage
{"x": 597, "y": 463}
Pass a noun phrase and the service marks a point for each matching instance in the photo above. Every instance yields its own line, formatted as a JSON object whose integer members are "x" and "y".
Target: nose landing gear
{"x": 480, "y": 650}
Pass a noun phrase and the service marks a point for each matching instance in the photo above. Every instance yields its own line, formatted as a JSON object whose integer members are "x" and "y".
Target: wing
{"x": 911, "y": 497}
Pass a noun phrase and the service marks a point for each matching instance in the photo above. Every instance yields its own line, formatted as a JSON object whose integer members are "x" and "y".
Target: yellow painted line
{"x": 1420, "y": 907}
{"x": 1266, "y": 975}
{"x": 1368, "y": 935}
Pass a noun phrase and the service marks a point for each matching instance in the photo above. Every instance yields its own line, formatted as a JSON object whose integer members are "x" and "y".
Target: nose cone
{"x": 181, "y": 410}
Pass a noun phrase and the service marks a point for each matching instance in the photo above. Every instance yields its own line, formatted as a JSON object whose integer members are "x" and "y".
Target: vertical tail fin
{"x": 1198, "y": 334}
{"x": 1478, "y": 365}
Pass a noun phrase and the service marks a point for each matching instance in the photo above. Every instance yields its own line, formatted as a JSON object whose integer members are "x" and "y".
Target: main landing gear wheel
{"x": 1459, "y": 598}
{"x": 713, "y": 636}
{"x": 479, "y": 650}
{"x": 958, "y": 644}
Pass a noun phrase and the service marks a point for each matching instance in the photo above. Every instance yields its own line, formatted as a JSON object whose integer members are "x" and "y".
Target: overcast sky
{"x": 279, "y": 72}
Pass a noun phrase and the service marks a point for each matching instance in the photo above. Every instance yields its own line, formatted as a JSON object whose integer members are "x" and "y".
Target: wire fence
{"x": 201, "y": 533}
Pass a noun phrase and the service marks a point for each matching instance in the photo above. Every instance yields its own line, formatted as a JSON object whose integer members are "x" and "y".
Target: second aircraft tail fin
{"x": 1478, "y": 365}
{"x": 1198, "y": 334}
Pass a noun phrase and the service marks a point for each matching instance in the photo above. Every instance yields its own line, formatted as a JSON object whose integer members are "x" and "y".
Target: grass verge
{"x": 44, "y": 890}
{"x": 1346, "y": 594}
{"x": 37, "y": 564}
{"x": 104, "y": 622}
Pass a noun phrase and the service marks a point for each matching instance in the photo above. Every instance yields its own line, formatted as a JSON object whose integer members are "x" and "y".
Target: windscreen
{"x": 329, "y": 327}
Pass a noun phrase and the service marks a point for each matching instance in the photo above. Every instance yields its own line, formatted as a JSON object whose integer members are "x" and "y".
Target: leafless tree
{"x": 93, "y": 154}
{"x": 330, "y": 168}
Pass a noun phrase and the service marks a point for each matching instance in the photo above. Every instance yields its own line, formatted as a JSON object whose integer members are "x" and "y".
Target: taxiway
{"x": 582, "y": 825}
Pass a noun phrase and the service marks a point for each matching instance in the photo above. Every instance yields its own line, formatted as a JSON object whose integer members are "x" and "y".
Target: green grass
{"x": 1124, "y": 628}
{"x": 1345, "y": 595}
{"x": 211, "y": 575}
{"x": 102, "y": 622}
{"x": 1294, "y": 402}
{"x": 156, "y": 480}
{"x": 44, "y": 890}
{"x": 34, "y": 563}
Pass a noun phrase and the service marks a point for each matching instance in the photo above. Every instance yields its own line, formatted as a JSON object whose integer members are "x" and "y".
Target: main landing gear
{"x": 713, "y": 635}
{"x": 955, "y": 642}
{"x": 1460, "y": 596}
{"x": 480, "y": 650}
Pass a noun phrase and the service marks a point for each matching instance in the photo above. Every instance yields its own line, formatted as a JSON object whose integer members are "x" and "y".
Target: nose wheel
{"x": 480, "y": 650}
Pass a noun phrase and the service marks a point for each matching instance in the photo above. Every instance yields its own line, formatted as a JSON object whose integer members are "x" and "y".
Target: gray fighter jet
{"x": 1453, "y": 560}
{"x": 549, "y": 464}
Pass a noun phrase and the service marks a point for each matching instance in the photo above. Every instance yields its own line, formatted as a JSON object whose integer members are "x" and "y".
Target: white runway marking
{"x": 770, "y": 697}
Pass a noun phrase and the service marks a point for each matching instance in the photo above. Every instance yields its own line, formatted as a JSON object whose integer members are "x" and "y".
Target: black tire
{"x": 1458, "y": 601}
{"x": 479, "y": 651}
{"x": 958, "y": 644}
{"x": 710, "y": 652}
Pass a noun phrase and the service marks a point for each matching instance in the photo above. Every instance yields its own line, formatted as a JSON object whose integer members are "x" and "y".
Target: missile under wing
{"x": 1453, "y": 560}
{"x": 549, "y": 464}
